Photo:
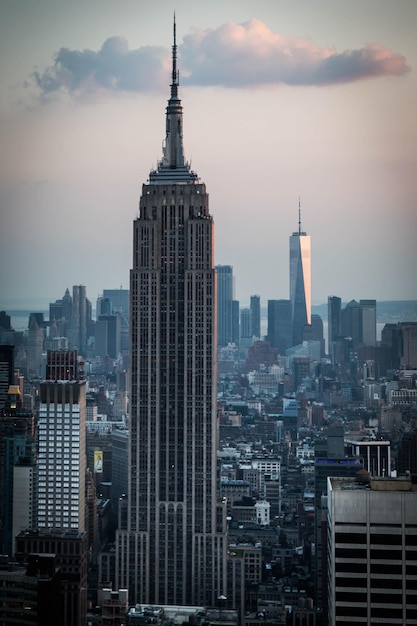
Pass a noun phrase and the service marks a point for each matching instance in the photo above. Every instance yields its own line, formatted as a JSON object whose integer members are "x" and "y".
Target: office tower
{"x": 119, "y": 451}
{"x": 368, "y": 322}
{"x": 300, "y": 281}
{"x": 108, "y": 334}
{"x": 334, "y": 309}
{"x": 35, "y": 345}
{"x": 119, "y": 301}
{"x": 62, "y": 456}
{"x": 235, "y": 322}
{"x": 80, "y": 319}
{"x": 255, "y": 307}
{"x": 119, "y": 305}
{"x": 408, "y": 344}
{"x": 61, "y": 511}
{"x": 331, "y": 460}
{"x": 18, "y": 470}
{"x": 172, "y": 550}
{"x": 279, "y": 325}
{"x": 314, "y": 332}
{"x": 351, "y": 326}
{"x": 103, "y": 306}
{"x": 224, "y": 304}
{"x": 372, "y": 537}
{"x": 60, "y": 313}
{"x": 245, "y": 323}
{"x": 245, "y": 341}
{"x": 6, "y": 372}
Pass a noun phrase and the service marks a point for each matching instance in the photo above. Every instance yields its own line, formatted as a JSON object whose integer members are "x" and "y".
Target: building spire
{"x": 175, "y": 73}
{"x": 299, "y": 215}
{"x": 173, "y": 167}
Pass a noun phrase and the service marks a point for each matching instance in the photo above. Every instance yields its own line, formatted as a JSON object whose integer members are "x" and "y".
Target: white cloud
{"x": 232, "y": 55}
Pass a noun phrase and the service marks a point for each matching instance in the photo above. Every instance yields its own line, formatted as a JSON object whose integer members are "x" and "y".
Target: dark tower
{"x": 224, "y": 304}
{"x": 255, "y": 307}
{"x": 334, "y": 309}
{"x": 172, "y": 550}
{"x": 279, "y": 325}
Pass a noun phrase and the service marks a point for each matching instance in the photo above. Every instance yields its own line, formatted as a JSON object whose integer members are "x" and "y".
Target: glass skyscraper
{"x": 300, "y": 282}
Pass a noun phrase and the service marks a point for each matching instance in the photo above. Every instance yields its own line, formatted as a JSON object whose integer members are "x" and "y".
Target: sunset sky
{"x": 282, "y": 100}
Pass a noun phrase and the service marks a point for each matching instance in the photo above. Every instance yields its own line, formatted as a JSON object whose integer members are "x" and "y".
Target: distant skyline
{"x": 282, "y": 99}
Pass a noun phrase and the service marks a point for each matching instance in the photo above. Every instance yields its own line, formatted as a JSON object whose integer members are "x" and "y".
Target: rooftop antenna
{"x": 299, "y": 215}
{"x": 175, "y": 72}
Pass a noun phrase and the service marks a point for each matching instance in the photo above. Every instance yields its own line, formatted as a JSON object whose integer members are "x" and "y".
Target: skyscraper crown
{"x": 173, "y": 168}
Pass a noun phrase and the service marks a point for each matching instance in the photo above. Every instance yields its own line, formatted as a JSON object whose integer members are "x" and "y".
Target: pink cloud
{"x": 232, "y": 55}
{"x": 241, "y": 55}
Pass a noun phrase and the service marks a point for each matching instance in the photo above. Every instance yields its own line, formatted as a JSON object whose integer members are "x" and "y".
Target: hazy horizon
{"x": 282, "y": 100}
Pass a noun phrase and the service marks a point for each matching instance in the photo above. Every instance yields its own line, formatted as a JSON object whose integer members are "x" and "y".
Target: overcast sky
{"x": 282, "y": 100}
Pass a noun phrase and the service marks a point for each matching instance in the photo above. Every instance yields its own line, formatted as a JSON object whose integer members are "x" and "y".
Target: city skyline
{"x": 333, "y": 124}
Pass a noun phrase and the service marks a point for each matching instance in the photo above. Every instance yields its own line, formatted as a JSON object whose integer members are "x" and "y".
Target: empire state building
{"x": 171, "y": 546}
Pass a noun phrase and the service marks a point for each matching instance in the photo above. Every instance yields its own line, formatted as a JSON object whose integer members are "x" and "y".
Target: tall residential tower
{"x": 300, "y": 281}
{"x": 172, "y": 548}
{"x": 224, "y": 304}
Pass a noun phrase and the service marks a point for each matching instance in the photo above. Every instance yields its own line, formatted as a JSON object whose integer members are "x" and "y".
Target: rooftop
{"x": 402, "y": 483}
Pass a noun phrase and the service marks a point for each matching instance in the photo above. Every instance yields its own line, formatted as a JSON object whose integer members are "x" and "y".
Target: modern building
{"x": 408, "y": 343}
{"x": 372, "y": 557}
{"x": 224, "y": 304}
{"x": 119, "y": 302}
{"x": 120, "y": 448}
{"x": 235, "y": 322}
{"x": 279, "y": 325}
{"x": 62, "y": 456}
{"x": 108, "y": 336}
{"x": 255, "y": 307}
{"x": 334, "y": 310}
{"x": 80, "y": 318}
{"x": 34, "y": 347}
{"x": 119, "y": 305}
{"x": 300, "y": 281}
{"x": 351, "y": 325}
{"x": 331, "y": 460}
{"x": 246, "y": 324}
{"x": 172, "y": 549}
{"x": 368, "y": 322}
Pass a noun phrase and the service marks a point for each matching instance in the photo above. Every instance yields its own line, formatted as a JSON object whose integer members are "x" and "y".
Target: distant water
{"x": 19, "y": 320}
